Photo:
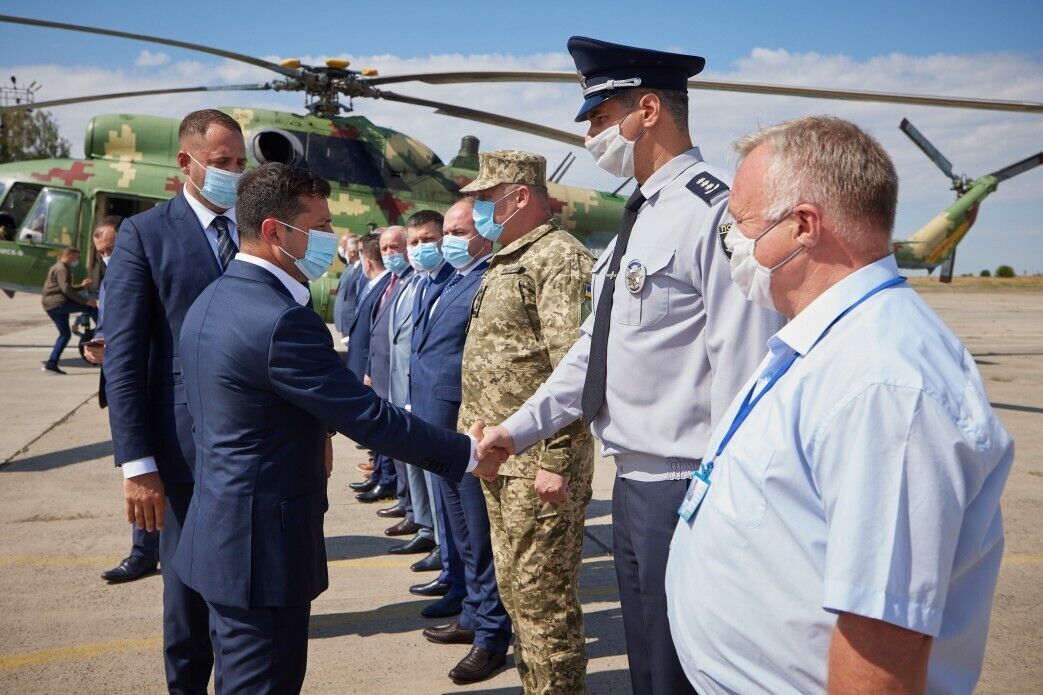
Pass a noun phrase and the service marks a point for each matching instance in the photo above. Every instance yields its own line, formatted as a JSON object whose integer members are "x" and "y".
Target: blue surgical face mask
{"x": 322, "y": 247}
{"x": 105, "y": 259}
{"x": 454, "y": 249}
{"x": 395, "y": 262}
{"x": 484, "y": 216}
{"x": 426, "y": 256}
{"x": 218, "y": 186}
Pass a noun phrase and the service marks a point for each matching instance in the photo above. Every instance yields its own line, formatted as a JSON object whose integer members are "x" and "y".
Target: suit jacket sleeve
{"x": 129, "y": 291}
{"x": 304, "y": 370}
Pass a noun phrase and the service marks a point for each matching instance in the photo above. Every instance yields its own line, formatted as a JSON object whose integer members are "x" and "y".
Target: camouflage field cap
{"x": 508, "y": 166}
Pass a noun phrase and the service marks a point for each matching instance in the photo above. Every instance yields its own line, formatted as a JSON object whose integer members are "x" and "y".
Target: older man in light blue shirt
{"x": 845, "y": 530}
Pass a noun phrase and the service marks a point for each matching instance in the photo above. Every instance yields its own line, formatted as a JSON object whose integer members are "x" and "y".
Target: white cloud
{"x": 977, "y": 142}
{"x": 150, "y": 59}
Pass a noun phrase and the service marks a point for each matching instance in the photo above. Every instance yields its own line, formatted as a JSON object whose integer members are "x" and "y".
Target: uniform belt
{"x": 672, "y": 468}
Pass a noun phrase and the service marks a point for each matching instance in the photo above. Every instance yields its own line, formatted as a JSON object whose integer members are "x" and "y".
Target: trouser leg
{"x": 144, "y": 544}
{"x": 420, "y": 501}
{"x": 61, "y": 322}
{"x": 187, "y": 648}
{"x": 262, "y": 650}
{"x": 644, "y": 515}
{"x": 493, "y": 630}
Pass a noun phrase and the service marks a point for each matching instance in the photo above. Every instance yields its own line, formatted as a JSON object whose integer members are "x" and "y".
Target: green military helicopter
{"x": 935, "y": 243}
{"x": 378, "y": 175}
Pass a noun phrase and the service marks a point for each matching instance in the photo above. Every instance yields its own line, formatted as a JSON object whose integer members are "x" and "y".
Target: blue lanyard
{"x": 750, "y": 401}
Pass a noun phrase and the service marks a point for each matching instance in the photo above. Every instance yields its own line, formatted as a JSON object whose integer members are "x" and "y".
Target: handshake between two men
{"x": 495, "y": 444}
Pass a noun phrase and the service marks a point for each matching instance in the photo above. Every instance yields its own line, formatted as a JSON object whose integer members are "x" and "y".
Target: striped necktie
{"x": 226, "y": 248}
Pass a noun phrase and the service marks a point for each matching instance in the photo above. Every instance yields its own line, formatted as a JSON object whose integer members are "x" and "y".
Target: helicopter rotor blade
{"x": 143, "y": 93}
{"x": 250, "y": 60}
{"x": 1018, "y": 167}
{"x": 486, "y": 117}
{"x": 927, "y": 148}
{"x": 483, "y": 76}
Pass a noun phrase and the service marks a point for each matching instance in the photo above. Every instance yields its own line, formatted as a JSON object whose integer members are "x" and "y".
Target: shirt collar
{"x": 300, "y": 293}
{"x": 433, "y": 273}
{"x": 468, "y": 269}
{"x": 670, "y": 171}
{"x": 805, "y": 328}
{"x": 206, "y": 215}
{"x": 373, "y": 283}
{"x": 529, "y": 237}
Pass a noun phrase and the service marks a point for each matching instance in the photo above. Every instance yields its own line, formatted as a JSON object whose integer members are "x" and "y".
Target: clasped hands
{"x": 495, "y": 444}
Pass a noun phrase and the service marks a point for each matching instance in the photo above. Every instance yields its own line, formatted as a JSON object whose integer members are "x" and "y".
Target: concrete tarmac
{"x": 64, "y": 630}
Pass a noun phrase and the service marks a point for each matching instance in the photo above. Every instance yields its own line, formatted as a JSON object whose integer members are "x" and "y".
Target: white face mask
{"x": 613, "y": 152}
{"x": 753, "y": 278}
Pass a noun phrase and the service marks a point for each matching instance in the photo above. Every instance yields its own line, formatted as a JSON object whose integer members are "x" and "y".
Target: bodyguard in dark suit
{"x": 144, "y": 551}
{"x": 265, "y": 388}
{"x": 434, "y": 376}
{"x": 164, "y": 258}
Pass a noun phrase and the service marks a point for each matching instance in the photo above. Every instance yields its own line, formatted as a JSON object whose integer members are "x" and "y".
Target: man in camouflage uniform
{"x": 524, "y": 319}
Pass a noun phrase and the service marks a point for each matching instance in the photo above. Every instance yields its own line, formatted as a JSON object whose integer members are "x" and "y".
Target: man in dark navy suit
{"x": 434, "y": 378}
{"x": 164, "y": 258}
{"x": 266, "y": 388}
{"x": 348, "y": 285}
{"x": 358, "y": 330}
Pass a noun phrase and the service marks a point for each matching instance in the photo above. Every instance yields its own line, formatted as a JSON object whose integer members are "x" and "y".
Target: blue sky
{"x": 953, "y": 47}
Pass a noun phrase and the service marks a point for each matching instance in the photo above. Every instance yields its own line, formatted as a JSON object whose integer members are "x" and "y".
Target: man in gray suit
{"x": 347, "y": 289}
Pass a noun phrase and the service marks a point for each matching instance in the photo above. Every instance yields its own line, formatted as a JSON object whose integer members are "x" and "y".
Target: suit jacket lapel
{"x": 467, "y": 281}
{"x": 196, "y": 245}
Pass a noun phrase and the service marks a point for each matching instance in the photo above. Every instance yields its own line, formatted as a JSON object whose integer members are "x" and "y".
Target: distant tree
{"x": 986, "y": 274}
{"x": 1004, "y": 271}
{"x": 31, "y": 135}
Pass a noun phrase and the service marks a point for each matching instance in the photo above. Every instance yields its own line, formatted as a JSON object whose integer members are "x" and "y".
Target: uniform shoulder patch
{"x": 708, "y": 187}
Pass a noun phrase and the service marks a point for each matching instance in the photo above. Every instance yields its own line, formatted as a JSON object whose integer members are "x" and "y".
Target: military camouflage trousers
{"x": 537, "y": 549}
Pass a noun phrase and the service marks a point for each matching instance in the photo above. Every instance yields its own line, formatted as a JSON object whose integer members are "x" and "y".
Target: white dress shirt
{"x": 866, "y": 481}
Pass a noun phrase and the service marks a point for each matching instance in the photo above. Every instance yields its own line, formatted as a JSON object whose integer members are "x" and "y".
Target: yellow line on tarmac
{"x": 1023, "y": 559}
{"x": 79, "y": 651}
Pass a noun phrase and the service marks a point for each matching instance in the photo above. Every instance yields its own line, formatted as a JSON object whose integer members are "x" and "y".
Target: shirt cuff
{"x": 345, "y": 340}
{"x": 523, "y": 430}
{"x": 138, "y": 467}
{"x": 473, "y": 463}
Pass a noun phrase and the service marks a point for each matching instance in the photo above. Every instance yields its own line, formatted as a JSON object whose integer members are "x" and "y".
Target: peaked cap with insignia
{"x": 508, "y": 166}
{"x": 606, "y": 69}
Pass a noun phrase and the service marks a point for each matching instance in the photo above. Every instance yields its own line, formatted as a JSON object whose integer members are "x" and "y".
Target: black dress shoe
{"x": 478, "y": 665}
{"x": 444, "y": 607}
{"x": 363, "y": 485}
{"x": 431, "y": 588}
{"x": 402, "y": 528}
{"x": 449, "y": 634}
{"x": 131, "y": 568}
{"x": 376, "y": 494}
{"x": 396, "y": 512}
{"x": 432, "y": 562}
{"x": 420, "y": 544}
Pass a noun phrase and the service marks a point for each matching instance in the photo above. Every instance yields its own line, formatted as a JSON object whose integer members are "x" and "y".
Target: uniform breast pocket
{"x": 739, "y": 477}
{"x": 643, "y": 286}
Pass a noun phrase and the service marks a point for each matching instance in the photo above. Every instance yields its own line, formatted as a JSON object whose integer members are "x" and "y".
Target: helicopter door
{"x": 52, "y": 221}
{"x": 116, "y": 204}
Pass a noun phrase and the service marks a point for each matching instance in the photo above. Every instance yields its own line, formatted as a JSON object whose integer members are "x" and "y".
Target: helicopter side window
{"x": 16, "y": 205}
{"x": 341, "y": 159}
{"x": 52, "y": 219}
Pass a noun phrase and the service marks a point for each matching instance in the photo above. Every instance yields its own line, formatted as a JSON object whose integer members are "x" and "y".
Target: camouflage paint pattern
{"x": 134, "y": 157}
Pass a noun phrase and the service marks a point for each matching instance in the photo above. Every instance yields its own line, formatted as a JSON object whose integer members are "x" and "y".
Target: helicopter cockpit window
{"x": 52, "y": 219}
{"x": 341, "y": 159}
{"x": 14, "y": 208}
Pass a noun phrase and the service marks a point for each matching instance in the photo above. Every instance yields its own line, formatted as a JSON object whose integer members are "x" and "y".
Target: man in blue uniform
{"x": 671, "y": 339}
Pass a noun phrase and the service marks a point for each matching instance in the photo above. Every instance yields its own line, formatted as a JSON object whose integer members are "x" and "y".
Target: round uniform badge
{"x": 634, "y": 277}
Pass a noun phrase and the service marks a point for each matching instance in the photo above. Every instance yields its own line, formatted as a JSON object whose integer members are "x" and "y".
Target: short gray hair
{"x": 834, "y": 164}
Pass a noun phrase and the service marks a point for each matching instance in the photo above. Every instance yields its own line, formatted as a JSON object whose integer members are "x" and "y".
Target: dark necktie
{"x": 597, "y": 362}
{"x": 453, "y": 282}
{"x": 226, "y": 248}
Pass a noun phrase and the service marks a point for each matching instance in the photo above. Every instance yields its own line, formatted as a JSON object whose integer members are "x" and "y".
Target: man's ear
{"x": 183, "y": 162}
{"x": 524, "y": 196}
{"x": 808, "y": 231}
{"x": 651, "y": 109}
{"x": 270, "y": 230}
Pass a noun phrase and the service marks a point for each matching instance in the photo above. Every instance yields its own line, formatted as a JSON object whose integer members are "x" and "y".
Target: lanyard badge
{"x": 697, "y": 490}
